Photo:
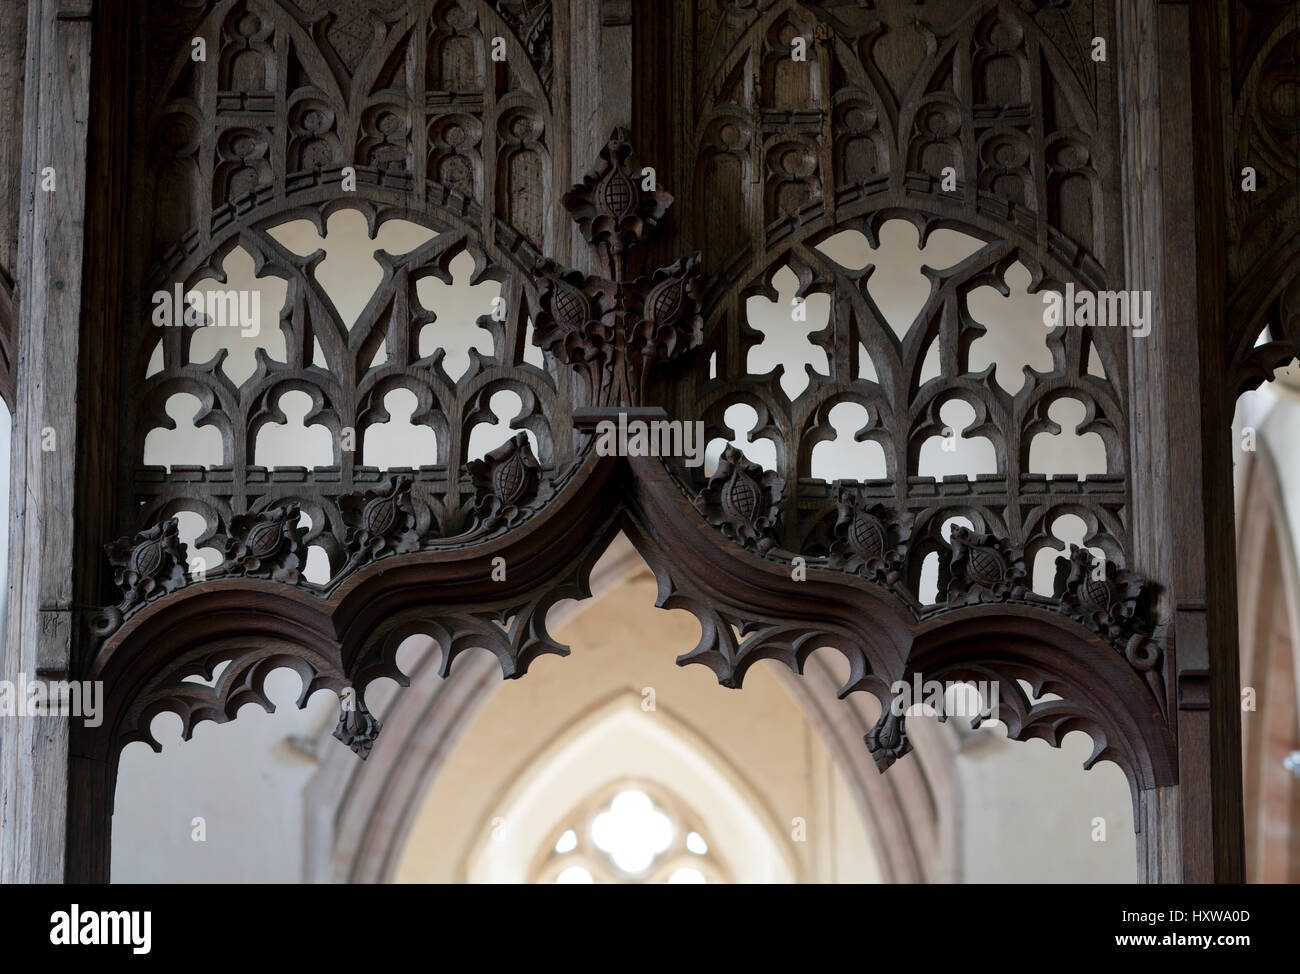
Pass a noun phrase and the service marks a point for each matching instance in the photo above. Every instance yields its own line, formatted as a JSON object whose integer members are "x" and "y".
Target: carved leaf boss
{"x": 613, "y": 329}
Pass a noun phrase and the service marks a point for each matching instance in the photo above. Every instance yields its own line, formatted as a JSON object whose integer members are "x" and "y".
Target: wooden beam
{"x": 40, "y": 625}
{"x": 1180, "y": 428}
{"x": 13, "y": 55}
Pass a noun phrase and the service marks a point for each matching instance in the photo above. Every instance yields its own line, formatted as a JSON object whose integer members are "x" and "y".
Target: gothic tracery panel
{"x": 983, "y": 118}
{"x": 303, "y": 114}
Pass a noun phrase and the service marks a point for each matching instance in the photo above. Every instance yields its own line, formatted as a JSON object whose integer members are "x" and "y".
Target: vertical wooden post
{"x": 599, "y": 57}
{"x": 34, "y": 769}
{"x": 13, "y": 54}
{"x": 1181, "y": 413}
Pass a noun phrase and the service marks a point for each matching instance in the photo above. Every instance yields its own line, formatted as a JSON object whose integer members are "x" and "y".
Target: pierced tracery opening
{"x": 630, "y": 837}
{"x": 917, "y": 369}
{"x": 375, "y": 345}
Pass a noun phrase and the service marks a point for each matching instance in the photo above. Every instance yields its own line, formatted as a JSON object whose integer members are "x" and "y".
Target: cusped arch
{"x": 536, "y": 533}
{"x": 750, "y": 608}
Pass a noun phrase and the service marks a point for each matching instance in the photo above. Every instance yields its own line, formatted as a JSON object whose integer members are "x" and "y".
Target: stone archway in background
{"x": 746, "y": 834}
{"x": 360, "y": 814}
{"x": 1270, "y": 661}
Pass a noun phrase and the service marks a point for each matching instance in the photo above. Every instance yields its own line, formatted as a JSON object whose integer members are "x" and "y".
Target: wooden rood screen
{"x": 630, "y": 175}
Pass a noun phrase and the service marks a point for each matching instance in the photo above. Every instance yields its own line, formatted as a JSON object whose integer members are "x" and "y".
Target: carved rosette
{"x": 1112, "y": 602}
{"x": 267, "y": 544}
{"x": 147, "y": 565}
{"x": 985, "y": 568}
{"x": 743, "y": 500}
{"x": 508, "y": 485}
{"x": 870, "y": 539}
{"x": 358, "y": 728}
{"x": 380, "y": 522}
{"x": 887, "y": 740}
{"x": 610, "y": 205}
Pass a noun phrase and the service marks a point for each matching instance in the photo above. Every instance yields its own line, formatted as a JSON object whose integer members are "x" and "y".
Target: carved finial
{"x": 358, "y": 728}
{"x": 267, "y": 544}
{"x": 985, "y": 568}
{"x": 612, "y": 205}
{"x": 508, "y": 485}
{"x": 380, "y": 521}
{"x": 743, "y": 500}
{"x": 611, "y": 328}
{"x": 887, "y": 740}
{"x": 144, "y": 566}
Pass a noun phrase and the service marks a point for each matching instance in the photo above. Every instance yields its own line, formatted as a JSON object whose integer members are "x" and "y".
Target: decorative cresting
{"x": 612, "y": 329}
{"x": 381, "y": 522}
{"x": 742, "y": 500}
{"x": 989, "y": 628}
{"x": 985, "y": 568}
{"x": 1115, "y": 604}
{"x": 267, "y": 545}
{"x": 266, "y": 549}
{"x": 871, "y": 540}
{"x": 508, "y": 482}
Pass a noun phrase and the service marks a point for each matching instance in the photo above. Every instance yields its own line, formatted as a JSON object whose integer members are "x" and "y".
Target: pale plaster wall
{"x": 244, "y": 778}
{"x": 1030, "y": 813}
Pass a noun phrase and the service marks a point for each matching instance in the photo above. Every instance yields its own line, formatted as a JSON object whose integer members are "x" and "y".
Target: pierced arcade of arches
{"x": 316, "y": 331}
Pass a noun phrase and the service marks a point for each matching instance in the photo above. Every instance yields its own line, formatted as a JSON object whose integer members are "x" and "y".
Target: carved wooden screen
{"x": 459, "y": 115}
